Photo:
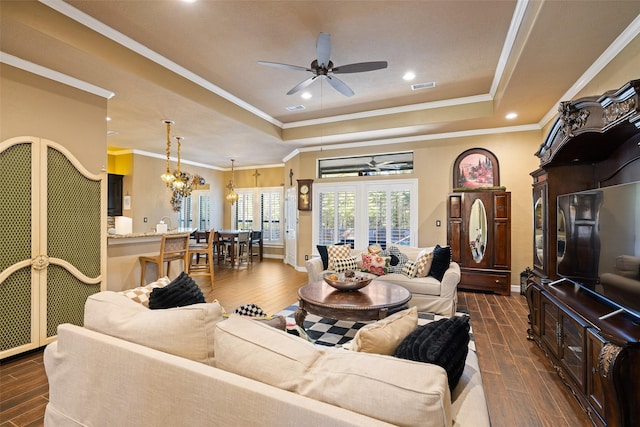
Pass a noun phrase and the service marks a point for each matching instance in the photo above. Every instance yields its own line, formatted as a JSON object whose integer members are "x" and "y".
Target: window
{"x": 377, "y": 164}
{"x": 388, "y": 214}
{"x": 185, "y": 218}
{"x": 260, "y": 209}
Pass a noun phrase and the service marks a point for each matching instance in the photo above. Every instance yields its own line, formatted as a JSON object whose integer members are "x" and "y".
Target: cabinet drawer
{"x": 495, "y": 281}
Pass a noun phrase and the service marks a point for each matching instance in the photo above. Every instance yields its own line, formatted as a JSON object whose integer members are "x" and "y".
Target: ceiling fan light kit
{"x": 322, "y": 67}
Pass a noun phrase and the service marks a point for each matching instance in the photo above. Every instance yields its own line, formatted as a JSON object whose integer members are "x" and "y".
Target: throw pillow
{"x": 401, "y": 259}
{"x": 344, "y": 264}
{"x": 444, "y": 342}
{"x": 141, "y": 293}
{"x": 337, "y": 251}
{"x": 375, "y": 264}
{"x": 384, "y": 336}
{"x": 441, "y": 261}
{"x": 324, "y": 256}
{"x": 180, "y": 292}
{"x": 424, "y": 261}
{"x": 410, "y": 269}
{"x": 374, "y": 249}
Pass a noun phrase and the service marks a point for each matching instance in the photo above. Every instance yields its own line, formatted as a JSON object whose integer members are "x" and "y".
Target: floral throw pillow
{"x": 375, "y": 264}
{"x": 343, "y": 264}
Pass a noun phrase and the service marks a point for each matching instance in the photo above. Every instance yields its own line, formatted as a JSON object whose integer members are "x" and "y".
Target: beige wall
{"x": 31, "y": 105}
{"x": 150, "y": 197}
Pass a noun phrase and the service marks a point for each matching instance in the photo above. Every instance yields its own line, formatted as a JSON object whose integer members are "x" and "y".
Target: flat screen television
{"x": 598, "y": 242}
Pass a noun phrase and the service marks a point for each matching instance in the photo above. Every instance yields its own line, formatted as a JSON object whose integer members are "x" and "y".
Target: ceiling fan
{"x": 323, "y": 67}
{"x": 378, "y": 165}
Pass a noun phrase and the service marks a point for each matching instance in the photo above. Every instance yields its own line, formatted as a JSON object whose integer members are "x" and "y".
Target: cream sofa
{"x": 427, "y": 293}
{"x": 259, "y": 376}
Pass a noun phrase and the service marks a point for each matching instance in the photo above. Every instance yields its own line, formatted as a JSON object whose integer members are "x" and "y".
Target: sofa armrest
{"x": 450, "y": 281}
{"x": 314, "y": 269}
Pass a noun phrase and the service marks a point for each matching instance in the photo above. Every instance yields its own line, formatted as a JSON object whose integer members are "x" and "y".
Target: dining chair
{"x": 240, "y": 247}
{"x": 205, "y": 251}
{"x": 255, "y": 244}
{"x": 173, "y": 247}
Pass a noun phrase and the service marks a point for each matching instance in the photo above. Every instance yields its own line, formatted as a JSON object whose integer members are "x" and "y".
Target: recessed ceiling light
{"x": 306, "y": 95}
{"x": 511, "y": 116}
{"x": 426, "y": 85}
{"x": 108, "y": 118}
{"x": 189, "y": 1}
{"x": 295, "y": 107}
{"x": 409, "y": 75}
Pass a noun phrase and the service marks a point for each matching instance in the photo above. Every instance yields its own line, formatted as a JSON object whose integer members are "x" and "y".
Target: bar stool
{"x": 205, "y": 251}
{"x": 173, "y": 247}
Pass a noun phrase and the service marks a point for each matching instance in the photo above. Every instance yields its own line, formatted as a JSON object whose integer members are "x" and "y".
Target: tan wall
{"x": 433, "y": 167}
{"x": 31, "y": 105}
{"x": 150, "y": 197}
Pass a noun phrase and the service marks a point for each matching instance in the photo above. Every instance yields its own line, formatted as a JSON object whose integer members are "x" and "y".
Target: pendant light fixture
{"x": 180, "y": 178}
{"x": 167, "y": 177}
{"x": 232, "y": 196}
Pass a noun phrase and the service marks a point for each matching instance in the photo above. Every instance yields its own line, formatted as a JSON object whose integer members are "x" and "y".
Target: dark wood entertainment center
{"x": 594, "y": 143}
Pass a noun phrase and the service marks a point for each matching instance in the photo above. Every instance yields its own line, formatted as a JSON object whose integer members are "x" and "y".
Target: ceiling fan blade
{"x": 302, "y": 85}
{"x": 323, "y": 47}
{"x": 285, "y": 66}
{"x": 340, "y": 86}
{"x": 360, "y": 67}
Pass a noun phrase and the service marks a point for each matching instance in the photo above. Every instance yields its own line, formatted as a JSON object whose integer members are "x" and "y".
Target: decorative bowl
{"x": 343, "y": 283}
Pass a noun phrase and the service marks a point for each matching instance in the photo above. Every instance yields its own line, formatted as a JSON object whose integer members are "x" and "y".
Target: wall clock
{"x": 304, "y": 194}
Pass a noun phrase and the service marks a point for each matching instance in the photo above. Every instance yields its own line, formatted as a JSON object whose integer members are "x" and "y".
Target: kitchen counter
{"x": 124, "y": 251}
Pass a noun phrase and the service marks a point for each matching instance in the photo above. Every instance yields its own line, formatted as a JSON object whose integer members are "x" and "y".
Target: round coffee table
{"x": 373, "y": 302}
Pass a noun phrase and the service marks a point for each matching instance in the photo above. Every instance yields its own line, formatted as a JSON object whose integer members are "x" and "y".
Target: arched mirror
{"x": 562, "y": 235}
{"x": 478, "y": 230}
{"x": 538, "y": 231}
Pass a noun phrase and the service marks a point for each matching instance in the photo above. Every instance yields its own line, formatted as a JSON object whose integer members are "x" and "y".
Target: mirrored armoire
{"x": 479, "y": 233}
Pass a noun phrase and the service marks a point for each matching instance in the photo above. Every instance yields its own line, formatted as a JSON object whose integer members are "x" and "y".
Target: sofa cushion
{"x": 141, "y": 293}
{"x": 375, "y": 264}
{"x": 182, "y": 291}
{"x": 186, "y": 331}
{"x": 416, "y": 285}
{"x": 444, "y": 342}
{"x": 360, "y": 382}
{"x": 384, "y": 336}
{"x": 441, "y": 261}
{"x": 344, "y": 264}
{"x": 337, "y": 251}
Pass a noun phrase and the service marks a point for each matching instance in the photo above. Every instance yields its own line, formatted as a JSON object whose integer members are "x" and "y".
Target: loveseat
{"x": 428, "y": 294}
{"x": 131, "y": 366}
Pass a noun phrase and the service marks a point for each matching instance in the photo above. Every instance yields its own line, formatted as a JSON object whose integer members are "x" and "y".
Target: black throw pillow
{"x": 324, "y": 255}
{"x": 441, "y": 261}
{"x": 180, "y": 292}
{"x": 444, "y": 342}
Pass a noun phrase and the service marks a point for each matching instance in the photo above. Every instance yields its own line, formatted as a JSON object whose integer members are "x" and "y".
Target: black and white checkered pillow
{"x": 250, "y": 310}
{"x": 344, "y": 264}
{"x": 410, "y": 269}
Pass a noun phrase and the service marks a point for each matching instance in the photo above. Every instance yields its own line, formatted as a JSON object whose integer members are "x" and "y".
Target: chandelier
{"x": 181, "y": 183}
{"x": 232, "y": 196}
{"x": 167, "y": 177}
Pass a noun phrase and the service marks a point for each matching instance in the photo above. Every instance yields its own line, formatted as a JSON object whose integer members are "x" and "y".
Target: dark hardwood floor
{"x": 522, "y": 388}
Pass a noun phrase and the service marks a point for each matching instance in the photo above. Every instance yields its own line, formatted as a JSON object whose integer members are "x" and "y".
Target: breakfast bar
{"x": 123, "y": 252}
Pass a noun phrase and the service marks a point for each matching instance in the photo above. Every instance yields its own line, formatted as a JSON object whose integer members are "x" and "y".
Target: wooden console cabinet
{"x": 594, "y": 143}
{"x": 479, "y": 233}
